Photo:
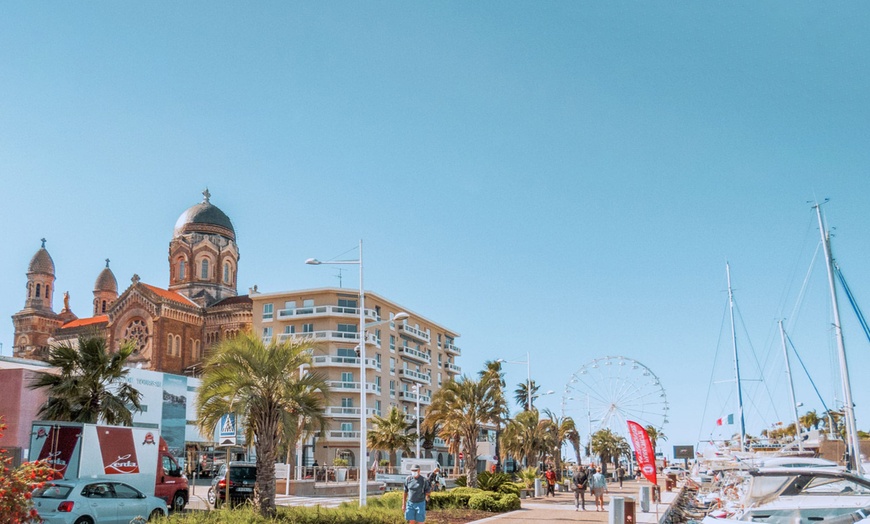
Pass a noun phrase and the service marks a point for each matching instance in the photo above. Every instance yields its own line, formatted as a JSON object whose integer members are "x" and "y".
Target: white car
{"x": 674, "y": 470}
{"x": 95, "y": 501}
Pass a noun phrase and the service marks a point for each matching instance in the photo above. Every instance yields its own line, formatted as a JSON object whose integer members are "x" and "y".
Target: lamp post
{"x": 527, "y": 362}
{"x": 417, "y": 392}
{"x": 363, "y": 430}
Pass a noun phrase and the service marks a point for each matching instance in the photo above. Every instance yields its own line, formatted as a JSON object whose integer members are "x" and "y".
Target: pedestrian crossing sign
{"x": 227, "y": 430}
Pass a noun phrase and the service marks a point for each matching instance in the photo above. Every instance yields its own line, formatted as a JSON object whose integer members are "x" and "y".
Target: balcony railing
{"x": 440, "y": 442}
{"x": 343, "y": 435}
{"x": 453, "y": 349}
{"x": 338, "y": 385}
{"x": 408, "y": 395}
{"x": 415, "y": 376}
{"x": 452, "y": 368}
{"x": 346, "y": 362}
{"x": 328, "y": 311}
{"x": 414, "y": 354}
{"x": 349, "y": 412}
{"x": 333, "y": 336}
{"x": 414, "y": 333}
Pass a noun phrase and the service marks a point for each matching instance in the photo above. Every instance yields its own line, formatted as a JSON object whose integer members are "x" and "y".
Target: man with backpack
{"x": 580, "y": 480}
{"x": 416, "y": 496}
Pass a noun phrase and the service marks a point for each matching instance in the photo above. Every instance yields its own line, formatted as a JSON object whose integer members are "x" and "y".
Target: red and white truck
{"x": 136, "y": 456}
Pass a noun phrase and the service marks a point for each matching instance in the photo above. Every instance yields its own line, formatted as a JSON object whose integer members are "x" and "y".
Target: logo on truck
{"x": 149, "y": 439}
{"x": 118, "y": 450}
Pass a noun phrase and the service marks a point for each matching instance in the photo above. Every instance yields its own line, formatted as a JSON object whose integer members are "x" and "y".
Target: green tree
{"x": 559, "y": 431}
{"x": 521, "y": 394}
{"x": 460, "y": 408}
{"x": 91, "y": 384}
{"x": 527, "y": 437}
{"x": 655, "y": 435}
{"x": 261, "y": 383}
{"x": 810, "y": 420}
{"x": 608, "y": 446}
{"x": 391, "y": 433}
{"x": 492, "y": 372}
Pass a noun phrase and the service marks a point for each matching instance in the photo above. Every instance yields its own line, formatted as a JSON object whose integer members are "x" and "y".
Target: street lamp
{"x": 527, "y": 362}
{"x": 417, "y": 392}
{"x": 363, "y": 452}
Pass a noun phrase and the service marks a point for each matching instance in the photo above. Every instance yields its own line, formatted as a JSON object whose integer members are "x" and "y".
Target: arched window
{"x": 169, "y": 344}
{"x": 177, "y": 345}
{"x": 181, "y": 269}
{"x": 37, "y": 290}
{"x": 226, "y": 272}
{"x": 204, "y": 273}
{"x": 47, "y": 289}
{"x": 29, "y": 290}
{"x": 104, "y": 307}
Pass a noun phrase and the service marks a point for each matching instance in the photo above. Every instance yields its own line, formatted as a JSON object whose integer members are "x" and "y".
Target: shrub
{"x": 510, "y": 488}
{"x": 492, "y": 481}
{"x": 391, "y": 500}
{"x": 442, "y": 500}
{"x": 528, "y": 476}
{"x": 340, "y": 462}
{"x": 461, "y": 482}
{"x": 509, "y": 502}
{"x": 483, "y": 502}
{"x": 461, "y": 496}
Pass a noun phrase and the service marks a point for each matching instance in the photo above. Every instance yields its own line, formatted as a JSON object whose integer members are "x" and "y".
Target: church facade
{"x": 171, "y": 327}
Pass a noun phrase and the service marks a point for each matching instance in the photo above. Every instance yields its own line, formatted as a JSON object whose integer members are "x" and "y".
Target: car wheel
{"x": 178, "y": 501}
{"x": 85, "y": 520}
{"x": 156, "y": 514}
{"x": 210, "y": 496}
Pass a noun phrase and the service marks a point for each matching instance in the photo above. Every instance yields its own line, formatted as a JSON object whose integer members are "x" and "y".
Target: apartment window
{"x": 378, "y": 336}
{"x": 346, "y": 352}
{"x": 347, "y": 402}
{"x": 346, "y": 376}
{"x": 378, "y": 312}
{"x": 378, "y": 406}
{"x": 392, "y": 366}
{"x": 439, "y": 378}
{"x": 308, "y": 328}
{"x": 378, "y": 359}
{"x": 392, "y": 388}
{"x": 439, "y": 361}
{"x": 378, "y": 381}
{"x": 267, "y": 311}
{"x": 439, "y": 340}
{"x": 344, "y": 302}
{"x": 290, "y": 304}
{"x": 267, "y": 332}
{"x": 392, "y": 323}
{"x": 289, "y": 330}
{"x": 392, "y": 343}
{"x": 347, "y": 328}
{"x": 309, "y": 302}
{"x": 346, "y": 427}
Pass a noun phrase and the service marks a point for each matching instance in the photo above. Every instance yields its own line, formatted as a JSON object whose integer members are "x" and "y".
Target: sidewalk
{"x": 561, "y": 508}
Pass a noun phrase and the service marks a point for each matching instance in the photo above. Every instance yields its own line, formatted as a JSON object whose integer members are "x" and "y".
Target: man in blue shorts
{"x": 416, "y": 496}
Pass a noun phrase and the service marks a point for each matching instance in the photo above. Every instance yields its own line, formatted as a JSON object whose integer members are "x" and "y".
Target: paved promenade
{"x": 561, "y": 508}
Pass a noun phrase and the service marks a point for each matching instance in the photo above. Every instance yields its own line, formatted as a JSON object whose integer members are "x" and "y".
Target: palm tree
{"x": 654, "y": 436}
{"x": 91, "y": 385}
{"x": 262, "y": 384}
{"x": 521, "y": 394}
{"x": 573, "y": 437}
{"x": 526, "y": 437}
{"x": 810, "y": 420}
{"x": 461, "y": 407}
{"x": 607, "y": 446}
{"x": 559, "y": 431}
{"x": 391, "y": 433}
{"x": 492, "y": 372}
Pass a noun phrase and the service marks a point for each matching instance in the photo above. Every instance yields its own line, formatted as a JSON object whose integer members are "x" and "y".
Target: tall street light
{"x": 363, "y": 430}
{"x": 417, "y": 392}
{"x": 528, "y": 364}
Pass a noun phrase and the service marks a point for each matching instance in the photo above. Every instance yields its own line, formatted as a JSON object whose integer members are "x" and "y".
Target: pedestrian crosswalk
{"x": 324, "y": 502}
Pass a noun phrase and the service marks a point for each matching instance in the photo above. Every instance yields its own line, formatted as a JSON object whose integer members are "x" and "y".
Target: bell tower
{"x": 37, "y": 321}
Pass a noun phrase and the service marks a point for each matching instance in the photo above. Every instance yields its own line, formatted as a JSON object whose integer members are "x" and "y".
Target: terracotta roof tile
{"x": 170, "y": 295}
{"x": 79, "y": 322}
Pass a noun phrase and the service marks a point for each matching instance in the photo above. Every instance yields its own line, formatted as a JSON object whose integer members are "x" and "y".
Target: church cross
{"x": 206, "y": 194}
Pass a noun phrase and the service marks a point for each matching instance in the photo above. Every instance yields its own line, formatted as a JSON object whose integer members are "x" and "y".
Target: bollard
{"x": 644, "y": 497}
{"x": 616, "y": 513}
{"x": 539, "y": 490}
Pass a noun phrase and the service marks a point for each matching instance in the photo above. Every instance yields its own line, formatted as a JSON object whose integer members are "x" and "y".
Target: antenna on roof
{"x": 340, "y": 269}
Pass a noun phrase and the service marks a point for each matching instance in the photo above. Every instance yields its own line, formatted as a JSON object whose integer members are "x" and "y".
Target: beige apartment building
{"x": 404, "y": 359}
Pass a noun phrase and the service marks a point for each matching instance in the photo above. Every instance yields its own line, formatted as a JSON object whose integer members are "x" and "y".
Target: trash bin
{"x": 539, "y": 488}
{"x": 629, "y": 512}
{"x": 644, "y": 497}
{"x": 622, "y": 511}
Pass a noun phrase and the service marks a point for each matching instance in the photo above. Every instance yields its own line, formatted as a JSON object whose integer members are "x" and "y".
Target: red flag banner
{"x": 643, "y": 449}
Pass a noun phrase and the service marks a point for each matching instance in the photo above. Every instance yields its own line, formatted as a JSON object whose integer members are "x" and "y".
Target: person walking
{"x": 620, "y": 474}
{"x": 550, "y": 475}
{"x": 599, "y": 487}
{"x": 416, "y": 496}
{"x": 434, "y": 478}
{"x": 580, "y": 480}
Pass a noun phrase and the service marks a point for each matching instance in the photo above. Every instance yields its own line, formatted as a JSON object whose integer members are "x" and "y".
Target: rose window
{"x": 137, "y": 333}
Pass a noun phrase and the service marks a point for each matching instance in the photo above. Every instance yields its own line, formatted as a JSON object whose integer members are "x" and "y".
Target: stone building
{"x": 171, "y": 327}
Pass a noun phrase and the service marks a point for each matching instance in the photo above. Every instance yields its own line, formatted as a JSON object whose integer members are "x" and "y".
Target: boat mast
{"x": 852, "y": 445}
{"x": 797, "y": 420}
{"x": 736, "y": 363}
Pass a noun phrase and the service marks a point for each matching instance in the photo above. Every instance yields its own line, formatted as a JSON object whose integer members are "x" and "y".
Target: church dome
{"x": 106, "y": 280}
{"x": 41, "y": 262}
{"x": 205, "y": 218}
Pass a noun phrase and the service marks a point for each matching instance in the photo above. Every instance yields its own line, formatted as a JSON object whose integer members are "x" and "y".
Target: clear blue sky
{"x": 565, "y": 178}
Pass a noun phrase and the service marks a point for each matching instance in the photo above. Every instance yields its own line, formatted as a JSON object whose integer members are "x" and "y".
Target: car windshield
{"x": 52, "y": 491}
{"x": 241, "y": 473}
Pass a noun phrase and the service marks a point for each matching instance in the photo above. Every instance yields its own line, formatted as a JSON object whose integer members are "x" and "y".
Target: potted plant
{"x": 340, "y": 465}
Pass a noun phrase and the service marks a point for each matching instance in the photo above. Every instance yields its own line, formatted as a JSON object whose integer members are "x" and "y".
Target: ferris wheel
{"x": 611, "y": 390}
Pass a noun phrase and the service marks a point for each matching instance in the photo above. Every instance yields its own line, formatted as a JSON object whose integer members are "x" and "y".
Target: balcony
{"x": 439, "y": 442}
{"x": 425, "y": 400}
{"x": 410, "y": 418}
{"x": 414, "y": 333}
{"x": 452, "y": 349}
{"x": 416, "y": 376}
{"x": 337, "y": 385}
{"x": 410, "y": 396}
{"x": 452, "y": 368}
{"x": 326, "y": 361}
{"x": 333, "y": 336}
{"x": 344, "y": 412}
{"x": 415, "y": 355}
{"x": 325, "y": 311}
{"x": 343, "y": 435}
